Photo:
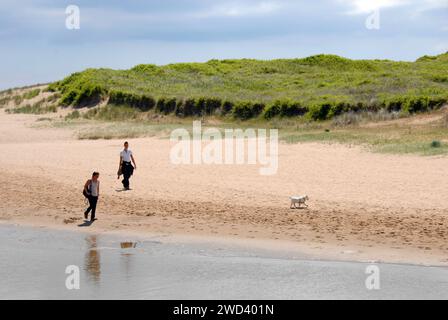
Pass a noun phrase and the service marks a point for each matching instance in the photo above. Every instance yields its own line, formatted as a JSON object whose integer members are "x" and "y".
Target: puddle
{"x": 34, "y": 261}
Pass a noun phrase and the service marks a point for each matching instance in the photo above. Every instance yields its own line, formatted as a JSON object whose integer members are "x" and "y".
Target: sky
{"x": 36, "y": 46}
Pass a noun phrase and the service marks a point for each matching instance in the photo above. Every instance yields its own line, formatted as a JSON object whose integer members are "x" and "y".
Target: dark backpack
{"x": 87, "y": 193}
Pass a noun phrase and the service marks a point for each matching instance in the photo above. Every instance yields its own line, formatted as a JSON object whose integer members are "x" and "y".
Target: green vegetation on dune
{"x": 40, "y": 107}
{"x": 31, "y": 94}
{"x": 320, "y": 86}
{"x": 323, "y": 98}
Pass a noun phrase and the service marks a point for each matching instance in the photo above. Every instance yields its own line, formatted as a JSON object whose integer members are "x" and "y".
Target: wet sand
{"x": 129, "y": 267}
{"x": 363, "y": 206}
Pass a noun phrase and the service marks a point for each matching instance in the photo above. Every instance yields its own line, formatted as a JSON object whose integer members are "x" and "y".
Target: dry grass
{"x": 385, "y": 133}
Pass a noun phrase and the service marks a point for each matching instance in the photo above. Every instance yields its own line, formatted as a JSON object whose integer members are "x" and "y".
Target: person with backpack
{"x": 91, "y": 192}
{"x": 125, "y": 167}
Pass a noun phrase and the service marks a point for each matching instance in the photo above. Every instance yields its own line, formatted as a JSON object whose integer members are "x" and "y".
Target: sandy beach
{"x": 363, "y": 206}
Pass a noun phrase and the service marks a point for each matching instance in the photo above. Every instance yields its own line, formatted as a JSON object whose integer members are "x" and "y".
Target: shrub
{"x": 118, "y": 97}
{"x": 242, "y": 110}
{"x": 440, "y": 78}
{"x": 146, "y": 103}
{"x": 89, "y": 94}
{"x": 339, "y": 108}
{"x": 68, "y": 98}
{"x": 272, "y": 111}
{"x": 426, "y": 58}
{"x": 166, "y": 105}
{"x": 247, "y": 110}
{"x": 226, "y": 107}
{"x": 142, "y": 102}
{"x": 320, "y": 111}
{"x": 395, "y": 104}
{"x": 145, "y": 68}
{"x": 436, "y": 103}
{"x": 53, "y": 87}
{"x": 413, "y": 104}
{"x": 416, "y": 104}
{"x": 257, "y": 109}
{"x": 292, "y": 109}
{"x": 170, "y": 105}
{"x": 199, "y": 107}
{"x": 285, "y": 108}
{"x": 211, "y": 105}
{"x": 160, "y": 105}
{"x": 83, "y": 94}
{"x": 436, "y": 144}
{"x": 180, "y": 108}
{"x": 189, "y": 107}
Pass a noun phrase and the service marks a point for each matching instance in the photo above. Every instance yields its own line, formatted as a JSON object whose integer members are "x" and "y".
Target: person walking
{"x": 125, "y": 165}
{"x": 92, "y": 192}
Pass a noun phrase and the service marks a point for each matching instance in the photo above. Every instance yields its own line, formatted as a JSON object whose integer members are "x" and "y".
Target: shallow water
{"x": 33, "y": 263}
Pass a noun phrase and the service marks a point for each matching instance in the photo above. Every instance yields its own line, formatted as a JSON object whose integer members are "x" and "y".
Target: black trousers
{"x": 127, "y": 169}
{"x": 92, "y": 206}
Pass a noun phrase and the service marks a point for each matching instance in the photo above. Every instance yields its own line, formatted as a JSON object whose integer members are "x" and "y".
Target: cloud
{"x": 219, "y": 10}
{"x": 119, "y": 34}
{"x": 238, "y": 9}
{"x": 432, "y": 6}
{"x": 367, "y": 6}
{"x": 435, "y": 4}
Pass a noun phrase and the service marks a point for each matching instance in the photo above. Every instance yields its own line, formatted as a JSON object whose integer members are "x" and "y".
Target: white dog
{"x": 300, "y": 200}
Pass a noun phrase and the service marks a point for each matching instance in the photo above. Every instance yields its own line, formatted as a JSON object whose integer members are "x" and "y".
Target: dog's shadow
{"x": 122, "y": 190}
{"x": 298, "y": 208}
{"x": 86, "y": 223}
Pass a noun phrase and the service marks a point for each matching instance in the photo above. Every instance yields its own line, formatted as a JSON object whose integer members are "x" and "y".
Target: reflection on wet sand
{"x": 93, "y": 259}
{"x": 127, "y": 245}
{"x": 126, "y": 257}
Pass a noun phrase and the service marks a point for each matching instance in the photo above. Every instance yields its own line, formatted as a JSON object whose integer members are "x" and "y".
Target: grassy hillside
{"x": 318, "y": 87}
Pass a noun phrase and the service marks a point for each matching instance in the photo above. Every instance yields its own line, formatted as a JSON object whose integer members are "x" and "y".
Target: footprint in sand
{"x": 71, "y": 220}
